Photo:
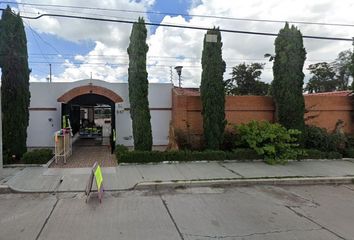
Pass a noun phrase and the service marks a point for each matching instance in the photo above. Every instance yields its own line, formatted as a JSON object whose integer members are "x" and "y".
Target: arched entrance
{"x": 91, "y": 111}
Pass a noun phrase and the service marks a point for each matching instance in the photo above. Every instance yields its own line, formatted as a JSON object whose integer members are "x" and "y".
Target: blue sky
{"x": 78, "y": 48}
{"x": 39, "y": 43}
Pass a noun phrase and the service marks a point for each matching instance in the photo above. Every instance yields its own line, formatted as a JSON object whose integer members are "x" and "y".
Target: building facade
{"x": 51, "y": 101}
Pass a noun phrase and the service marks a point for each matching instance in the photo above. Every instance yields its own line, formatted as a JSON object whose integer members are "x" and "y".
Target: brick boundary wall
{"x": 322, "y": 111}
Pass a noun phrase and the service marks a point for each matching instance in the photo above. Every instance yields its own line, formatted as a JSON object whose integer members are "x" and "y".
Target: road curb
{"x": 237, "y": 182}
{"x": 245, "y": 182}
{"x": 4, "y": 189}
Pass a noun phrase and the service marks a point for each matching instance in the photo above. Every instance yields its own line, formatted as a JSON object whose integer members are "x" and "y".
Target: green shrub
{"x": 350, "y": 141}
{"x": 229, "y": 143}
{"x": 318, "y": 154}
{"x": 37, "y": 156}
{"x": 242, "y": 154}
{"x": 180, "y": 156}
{"x": 318, "y": 138}
{"x": 120, "y": 149}
{"x": 333, "y": 155}
{"x": 349, "y": 153}
{"x": 314, "y": 154}
{"x": 177, "y": 156}
{"x": 183, "y": 140}
{"x": 208, "y": 155}
{"x": 271, "y": 140}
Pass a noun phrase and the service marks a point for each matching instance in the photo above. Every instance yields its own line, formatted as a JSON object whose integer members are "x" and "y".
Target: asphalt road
{"x": 261, "y": 212}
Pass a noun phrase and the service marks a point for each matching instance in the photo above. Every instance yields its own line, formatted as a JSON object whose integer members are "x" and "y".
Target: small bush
{"x": 120, "y": 149}
{"x": 229, "y": 143}
{"x": 333, "y": 155}
{"x": 183, "y": 140}
{"x": 314, "y": 154}
{"x": 350, "y": 141}
{"x": 37, "y": 156}
{"x": 242, "y": 154}
{"x": 349, "y": 153}
{"x": 271, "y": 140}
{"x": 317, "y": 154}
{"x": 318, "y": 138}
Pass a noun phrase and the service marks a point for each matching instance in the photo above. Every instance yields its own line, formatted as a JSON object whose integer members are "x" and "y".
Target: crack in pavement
{"x": 351, "y": 189}
{"x": 234, "y": 172}
{"x": 252, "y": 234}
{"x": 171, "y": 217}
{"x": 55, "y": 192}
{"x": 313, "y": 221}
{"x": 47, "y": 219}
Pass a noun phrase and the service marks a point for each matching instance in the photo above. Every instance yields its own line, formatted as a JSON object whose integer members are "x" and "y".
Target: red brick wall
{"x": 322, "y": 111}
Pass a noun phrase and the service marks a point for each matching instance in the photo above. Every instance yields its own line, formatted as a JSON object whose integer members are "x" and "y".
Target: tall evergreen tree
{"x": 212, "y": 90}
{"x": 15, "y": 95}
{"x": 287, "y": 85}
{"x": 138, "y": 87}
{"x": 351, "y": 67}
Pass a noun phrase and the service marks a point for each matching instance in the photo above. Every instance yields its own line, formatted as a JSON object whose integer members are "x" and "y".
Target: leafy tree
{"x": 245, "y": 80}
{"x": 342, "y": 66}
{"x": 212, "y": 90}
{"x": 15, "y": 95}
{"x": 289, "y": 59}
{"x": 138, "y": 87}
{"x": 323, "y": 79}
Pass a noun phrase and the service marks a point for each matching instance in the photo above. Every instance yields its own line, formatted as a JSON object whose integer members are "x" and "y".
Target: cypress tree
{"x": 352, "y": 66}
{"x": 138, "y": 87}
{"x": 287, "y": 85}
{"x": 212, "y": 90}
{"x": 15, "y": 95}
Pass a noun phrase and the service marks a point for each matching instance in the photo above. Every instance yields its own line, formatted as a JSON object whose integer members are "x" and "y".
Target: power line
{"x": 164, "y": 57}
{"x": 183, "y": 14}
{"x": 179, "y": 26}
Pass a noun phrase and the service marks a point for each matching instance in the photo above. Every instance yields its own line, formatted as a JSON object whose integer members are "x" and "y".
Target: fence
{"x": 322, "y": 110}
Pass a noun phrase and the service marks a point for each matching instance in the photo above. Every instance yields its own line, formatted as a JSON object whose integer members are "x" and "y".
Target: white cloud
{"x": 169, "y": 43}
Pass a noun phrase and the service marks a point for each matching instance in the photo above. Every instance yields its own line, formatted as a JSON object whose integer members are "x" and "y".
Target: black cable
{"x": 184, "y": 15}
{"x": 179, "y": 26}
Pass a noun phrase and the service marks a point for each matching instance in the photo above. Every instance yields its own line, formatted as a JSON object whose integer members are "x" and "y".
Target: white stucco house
{"x": 50, "y": 101}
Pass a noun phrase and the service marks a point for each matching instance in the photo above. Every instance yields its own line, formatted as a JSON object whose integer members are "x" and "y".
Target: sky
{"x": 81, "y": 49}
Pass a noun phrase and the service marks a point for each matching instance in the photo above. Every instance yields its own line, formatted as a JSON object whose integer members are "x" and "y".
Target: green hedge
{"x": 349, "y": 153}
{"x": 37, "y": 156}
{"x": 242, "y": 154}
{"x": 317, "y": 154}
{"x": 125, "y": 156}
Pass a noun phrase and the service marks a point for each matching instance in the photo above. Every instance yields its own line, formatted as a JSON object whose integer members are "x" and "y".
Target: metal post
{"x": 1, "y": 158}
{"x": 50, "y": 72}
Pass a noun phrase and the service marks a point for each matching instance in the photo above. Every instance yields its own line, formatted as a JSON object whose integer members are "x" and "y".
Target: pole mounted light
{"x": 179, "y": 72}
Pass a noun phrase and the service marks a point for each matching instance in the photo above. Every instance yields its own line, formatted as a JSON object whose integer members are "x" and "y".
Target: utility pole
{"x": 171, "y": 76}
{"x": 1, "y": 158}
{"x": 50, "y": 72}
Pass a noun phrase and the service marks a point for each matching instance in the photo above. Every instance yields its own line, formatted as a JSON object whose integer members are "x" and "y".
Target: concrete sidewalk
{"x": 126, "y": 177}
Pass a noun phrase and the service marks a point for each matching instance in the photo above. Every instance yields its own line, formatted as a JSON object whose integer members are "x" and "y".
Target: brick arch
{"x": 78, "y": 91}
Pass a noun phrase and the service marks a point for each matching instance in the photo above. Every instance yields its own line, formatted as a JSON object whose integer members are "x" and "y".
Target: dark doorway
{"x": 91, "y": 117}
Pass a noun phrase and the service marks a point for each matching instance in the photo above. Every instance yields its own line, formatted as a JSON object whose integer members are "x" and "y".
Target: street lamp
{"x": 179, "y": 72}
